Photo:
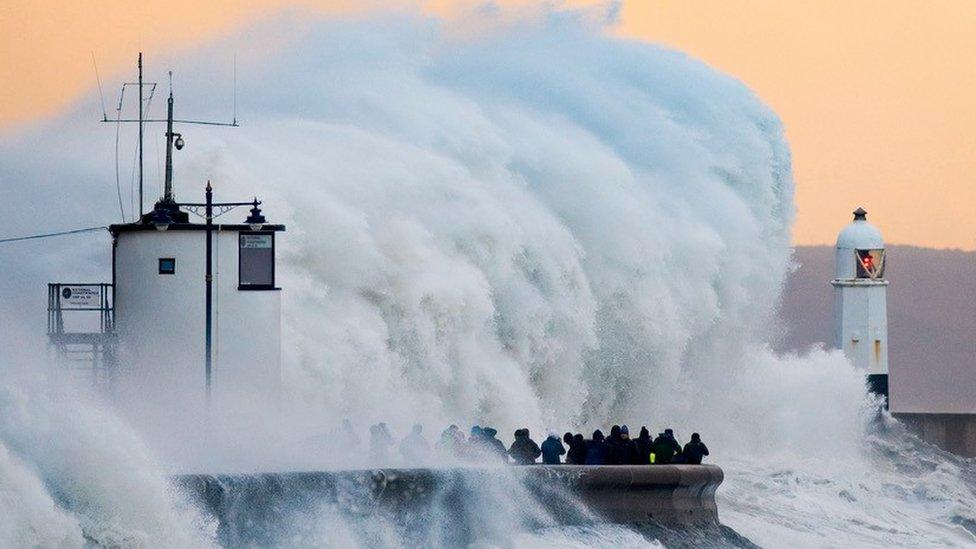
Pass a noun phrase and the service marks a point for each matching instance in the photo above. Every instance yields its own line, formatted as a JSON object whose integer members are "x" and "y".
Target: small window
{"x": 256, "y": 256}
{"x": 167, "y": 265}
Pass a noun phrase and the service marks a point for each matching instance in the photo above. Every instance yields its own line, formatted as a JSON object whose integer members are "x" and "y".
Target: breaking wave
{"x": 528, "y": 224}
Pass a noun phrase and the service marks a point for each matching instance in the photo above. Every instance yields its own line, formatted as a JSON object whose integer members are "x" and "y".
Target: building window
{"x": 870, "y": 263}
{"x": 167, "y": 265}
{"x": 256, "y": 261}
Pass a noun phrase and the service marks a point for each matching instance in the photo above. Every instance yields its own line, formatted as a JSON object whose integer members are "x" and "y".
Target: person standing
{"x": 627, "y": 448}
{"x": 695, "y": 450}
{"x": 552, "y": 448}
{"x": 414, "y": 447}
{"x": 613, "y": 443}
{"x": 494, "y": 447}
{"x": 665, "y": 447}
{"x": 451, "y": 444}
{"x": 596, "y": 449}
{"x": 577, "y": 451}
{"x": 524, "y": 450}
{"x": 644, "y": 446}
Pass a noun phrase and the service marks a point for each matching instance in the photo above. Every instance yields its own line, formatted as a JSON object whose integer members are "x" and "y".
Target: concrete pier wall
{"x": 954, "y": 433}
{"x": 452, "y": 504}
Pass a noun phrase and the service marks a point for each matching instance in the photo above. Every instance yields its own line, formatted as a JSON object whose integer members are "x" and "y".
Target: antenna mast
{"x": 168, "y": 192}
{"x": 141, "y": 122}
{"x": 172, "y": 138}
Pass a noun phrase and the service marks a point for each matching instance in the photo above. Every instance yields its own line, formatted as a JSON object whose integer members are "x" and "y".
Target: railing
{"x": 81, "y": 325}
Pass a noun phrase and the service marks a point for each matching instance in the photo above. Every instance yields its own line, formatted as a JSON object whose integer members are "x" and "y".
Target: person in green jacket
{"x": 665, "y": 447}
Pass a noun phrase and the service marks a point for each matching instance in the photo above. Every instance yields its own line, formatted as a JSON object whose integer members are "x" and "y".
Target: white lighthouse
{"x": 860, "y": 289}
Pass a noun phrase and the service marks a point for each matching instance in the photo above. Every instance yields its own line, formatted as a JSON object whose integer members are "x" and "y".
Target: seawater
{"x": 512, "y": 219}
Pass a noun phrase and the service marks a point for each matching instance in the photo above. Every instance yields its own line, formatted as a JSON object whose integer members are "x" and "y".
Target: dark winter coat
{"x": 644, "y": 447}
{"x": 493, "y": 445}
{"x": 596, "y": 450}
{"x": 552, "y": 448}
{"x": 577, "y": 451}
{"x": 524, "y": 450}
{"x": 624, "y": 452}
{"x": 665, "y": 448}
{"x": 694, "y": 451}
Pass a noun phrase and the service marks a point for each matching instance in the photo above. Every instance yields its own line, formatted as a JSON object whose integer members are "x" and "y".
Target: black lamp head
{"x": 161, "y": 219}
{"x": 255, "y": 220}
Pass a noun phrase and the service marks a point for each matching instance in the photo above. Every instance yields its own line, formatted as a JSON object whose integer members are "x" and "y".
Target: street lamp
{"x": 161, "y": 219}
{"x": 255, "y": 221}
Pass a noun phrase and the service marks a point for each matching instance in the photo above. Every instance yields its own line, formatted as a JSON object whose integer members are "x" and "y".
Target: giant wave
{"x": 531, "y": 224}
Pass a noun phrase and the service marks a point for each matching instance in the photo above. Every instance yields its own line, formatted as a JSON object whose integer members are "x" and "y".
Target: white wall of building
{"x": 160, "y": 318}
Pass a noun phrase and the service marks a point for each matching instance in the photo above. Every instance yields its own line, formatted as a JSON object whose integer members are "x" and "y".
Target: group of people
{"x": 482, "y": 445}
{"x": 616, "y": 449}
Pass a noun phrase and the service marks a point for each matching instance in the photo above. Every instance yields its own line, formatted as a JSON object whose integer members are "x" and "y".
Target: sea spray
{"x": 74, "y": 473}
{"x": 533, "y": 225}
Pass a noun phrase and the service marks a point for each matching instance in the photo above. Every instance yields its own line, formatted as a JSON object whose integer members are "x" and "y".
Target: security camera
{"x": 179, "y": 142}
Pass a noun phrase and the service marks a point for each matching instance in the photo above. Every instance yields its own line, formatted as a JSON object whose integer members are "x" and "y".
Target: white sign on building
{"x": 80, "y": 297}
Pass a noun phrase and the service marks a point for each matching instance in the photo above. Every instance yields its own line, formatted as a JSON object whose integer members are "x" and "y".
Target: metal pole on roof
{"x": 209, "y": 278}
{"x": 140, "y": 136}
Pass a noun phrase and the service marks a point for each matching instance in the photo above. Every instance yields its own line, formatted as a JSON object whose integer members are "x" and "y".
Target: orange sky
{"x": 878, "y": 96}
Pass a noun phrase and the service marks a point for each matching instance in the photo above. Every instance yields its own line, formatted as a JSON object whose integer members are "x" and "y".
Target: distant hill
{"x": 931, "y": 306}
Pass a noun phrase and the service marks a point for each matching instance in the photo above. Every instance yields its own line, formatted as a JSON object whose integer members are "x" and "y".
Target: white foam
{"x": 533, "y": 225}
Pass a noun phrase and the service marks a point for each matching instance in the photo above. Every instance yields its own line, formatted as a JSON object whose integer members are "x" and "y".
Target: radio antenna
{"x": 172, "y": 138}
{"x": 101, "y": 96}
{"x": 235, "y": 88}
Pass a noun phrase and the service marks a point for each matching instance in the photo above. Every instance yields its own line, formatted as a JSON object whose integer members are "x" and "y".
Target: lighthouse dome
{"x": 860, "y": 250}
{"x": 859, "y": 234}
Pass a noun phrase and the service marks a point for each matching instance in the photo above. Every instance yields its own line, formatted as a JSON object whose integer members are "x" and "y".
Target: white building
{"x": 159, "y": 274}
{"x": 860, "y": 290}
{"x": 193, "y": 311}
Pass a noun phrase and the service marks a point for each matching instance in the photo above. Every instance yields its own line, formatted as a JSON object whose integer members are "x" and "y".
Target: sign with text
{"x": 81, "y": 297}
{"x": 250, "y": 241}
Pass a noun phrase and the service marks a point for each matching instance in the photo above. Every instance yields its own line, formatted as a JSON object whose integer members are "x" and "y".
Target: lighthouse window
{"x": 870, "y": 263}
{"x": 167, "y": 265}
{"x": 256, "y": 261}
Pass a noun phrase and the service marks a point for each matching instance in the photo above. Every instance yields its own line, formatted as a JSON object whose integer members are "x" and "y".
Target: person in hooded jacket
{"x": 577, "y": 451}
{"x": 614, "y": 454}
{"x": 665, "y": 448}
{"x": 694, "y": 450}
{"x": 629, "y": 454}
{"x": 644, "y": 446}
{"x": 552, "y": 448}
{"x": 414, "y": 447}
{"x": 474, "y": 448}
{"x": 495, "y": 448}
{"x": 451, "y": 444}
{"x": 524, "y": 450}
{"x": 596, "y": 449}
